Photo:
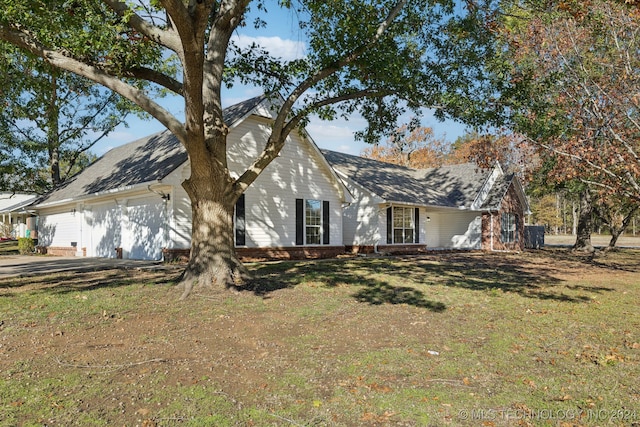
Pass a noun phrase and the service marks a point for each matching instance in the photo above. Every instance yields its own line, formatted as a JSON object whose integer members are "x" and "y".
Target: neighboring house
{"x": 399, "y": 209}
{"x": 16, "y": 220}
{"x": 130, "y": 202}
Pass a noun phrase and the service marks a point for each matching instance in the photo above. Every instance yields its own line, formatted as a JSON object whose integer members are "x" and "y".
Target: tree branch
{"x": 364, "y": 93}
{"x": 148, "y": 74}
{"x": 183, "y": 23}
{"x": 165, "y": 38}
{"x": 97, "y": 75}
{"x": 283, "y": 127}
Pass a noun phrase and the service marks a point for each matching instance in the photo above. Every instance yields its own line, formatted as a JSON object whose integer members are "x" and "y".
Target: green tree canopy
{"x": 49, "y": 121}
{"x": 378, "y": 57}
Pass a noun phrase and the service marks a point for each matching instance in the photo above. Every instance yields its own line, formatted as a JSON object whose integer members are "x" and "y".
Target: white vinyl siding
{"x": 59, "y": 229}
{"x": 179, "y": 221}
{"x": 297, "y": 172}
{"x": 460, "y": 230}
{"x": 360, "y": 219}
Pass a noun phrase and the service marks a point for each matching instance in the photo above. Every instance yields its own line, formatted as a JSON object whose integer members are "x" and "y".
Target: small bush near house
{"x": 26, "y": 245}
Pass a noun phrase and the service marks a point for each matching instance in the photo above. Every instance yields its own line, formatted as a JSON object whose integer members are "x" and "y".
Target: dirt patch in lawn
{"x": 402, "y": 341}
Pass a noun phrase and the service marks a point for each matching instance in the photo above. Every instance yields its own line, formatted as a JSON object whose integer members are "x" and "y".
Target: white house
{"x": 130, "y": 202}
{"x": 399, "y": 209}
{"x": 16, "y": 221}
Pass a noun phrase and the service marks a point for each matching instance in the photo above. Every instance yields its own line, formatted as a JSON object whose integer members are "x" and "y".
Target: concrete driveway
{"x": 24, "y": 265}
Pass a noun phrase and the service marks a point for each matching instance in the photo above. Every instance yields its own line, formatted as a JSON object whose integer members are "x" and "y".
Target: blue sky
{"x": 282, "y": 38}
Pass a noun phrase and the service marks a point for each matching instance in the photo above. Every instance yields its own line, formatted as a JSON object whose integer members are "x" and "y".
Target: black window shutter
{"x": 389, "y": 225}
{"x": 325, "y": 222}
{"x": 240, "y": 222}
{"x": 416, "y": 232}
{"x": 299, "y": 222}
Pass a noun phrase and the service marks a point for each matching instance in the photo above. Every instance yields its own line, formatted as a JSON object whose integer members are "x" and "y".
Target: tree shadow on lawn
{"x": 63, "y": 283}
{"x": 384, "y": 280}
{"x": 272, "y": 277}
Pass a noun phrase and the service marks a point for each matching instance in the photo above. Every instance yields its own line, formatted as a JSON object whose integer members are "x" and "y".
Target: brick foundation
{"x": 57, "y": 250}
{"x": 388, "y": 249}
{"x": 263, "y": 254}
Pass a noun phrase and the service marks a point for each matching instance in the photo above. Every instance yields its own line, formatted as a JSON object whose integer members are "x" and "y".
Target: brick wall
{"x": 510, "y": 203}
{"x": 261, "y": 254}
{"x": 59, "y": 250}
{"x": 388, "y": 249}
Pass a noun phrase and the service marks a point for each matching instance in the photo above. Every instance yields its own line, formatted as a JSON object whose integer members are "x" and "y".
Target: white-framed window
{"x": 403, "y": 225}
{"x": 509, "y": 227}
{"x": 313, "y": 222}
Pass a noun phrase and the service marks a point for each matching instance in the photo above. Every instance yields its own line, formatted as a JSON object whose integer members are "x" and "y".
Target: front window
{"x": 313, "y": 221}
{"x": 403, "y": 226}
{"x": 509, "y": 227}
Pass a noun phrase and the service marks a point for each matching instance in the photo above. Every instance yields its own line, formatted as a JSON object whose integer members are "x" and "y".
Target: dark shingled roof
{"x": 146, "y": 160}
{"x": 498, "y": 191}
{"x": 447, "y": 186}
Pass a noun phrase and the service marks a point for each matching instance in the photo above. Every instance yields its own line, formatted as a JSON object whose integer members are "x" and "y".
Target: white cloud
{"x": 285, "y": 49}
{"x": 337, "y": 135}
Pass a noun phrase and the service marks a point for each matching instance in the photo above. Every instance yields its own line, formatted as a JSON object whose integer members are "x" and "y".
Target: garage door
{"x": 104, "y": 230}
{"x": 144, "y": 231}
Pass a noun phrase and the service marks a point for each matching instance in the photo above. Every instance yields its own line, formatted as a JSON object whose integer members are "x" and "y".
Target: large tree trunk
{"x": 585, "y": 224}
{"x": 53, "y": 130}
{"x": 213, "y": 264}
{"x": 616, "y": 232}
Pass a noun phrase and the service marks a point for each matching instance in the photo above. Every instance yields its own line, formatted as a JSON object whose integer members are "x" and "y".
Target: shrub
{"x": 26, "y": 245}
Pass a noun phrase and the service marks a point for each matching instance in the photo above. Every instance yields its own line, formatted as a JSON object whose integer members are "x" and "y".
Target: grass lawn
{"x": 9, "y": 247}
{"x": 540, "y": 338}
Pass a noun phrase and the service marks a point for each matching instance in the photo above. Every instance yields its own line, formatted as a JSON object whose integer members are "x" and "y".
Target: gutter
{"x": 136, "y": 187}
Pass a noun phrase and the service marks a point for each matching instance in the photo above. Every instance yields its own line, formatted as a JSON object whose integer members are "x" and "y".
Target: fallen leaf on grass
{"x": 564, "y": 398}
{"x": 379, "y": 387}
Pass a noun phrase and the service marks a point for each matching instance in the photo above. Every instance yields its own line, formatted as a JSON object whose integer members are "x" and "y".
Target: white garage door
{"x": 144, "y": 230}
{"x": 103, "y": 223}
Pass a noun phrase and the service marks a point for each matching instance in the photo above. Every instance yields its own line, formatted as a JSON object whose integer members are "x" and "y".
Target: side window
{"x": 403, "y": 225}
{"x": 312, "y": 222}
{"x": 509, "y": 227}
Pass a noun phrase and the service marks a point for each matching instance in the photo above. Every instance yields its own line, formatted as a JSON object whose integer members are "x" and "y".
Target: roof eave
{"x": 86, "y": 197}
